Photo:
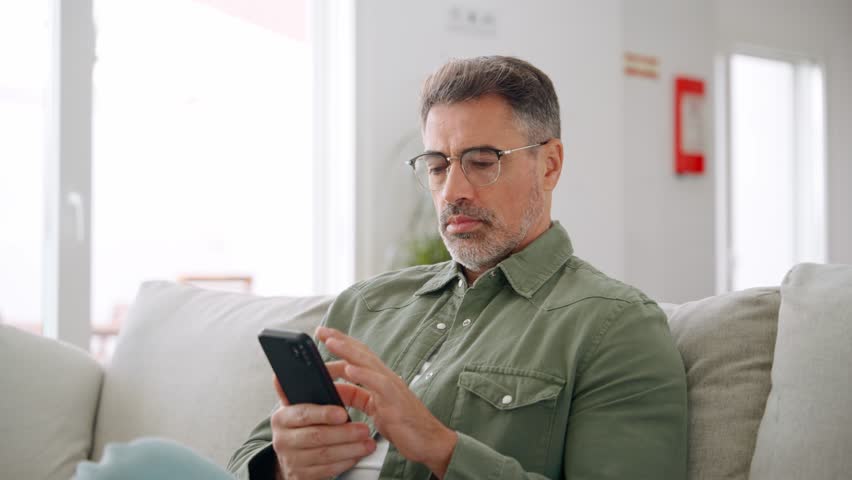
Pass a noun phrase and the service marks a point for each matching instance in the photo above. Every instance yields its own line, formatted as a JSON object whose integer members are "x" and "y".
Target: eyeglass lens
{"x": 480, "y": 167}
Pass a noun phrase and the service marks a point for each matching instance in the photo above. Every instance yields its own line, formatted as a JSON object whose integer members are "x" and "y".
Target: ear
{"x": 552, "y": 163}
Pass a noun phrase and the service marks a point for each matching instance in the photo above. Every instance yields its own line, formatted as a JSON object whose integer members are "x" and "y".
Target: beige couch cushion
{"x": 726, "y": 343}
{"x": 48, "y": 396}
{"x": 187, "y": 366}
{"x": 806, "y": 431}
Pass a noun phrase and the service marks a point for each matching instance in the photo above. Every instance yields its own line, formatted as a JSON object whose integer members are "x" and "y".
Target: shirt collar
{"x": 449, "y": 272}
{"x": 526, "y": 271}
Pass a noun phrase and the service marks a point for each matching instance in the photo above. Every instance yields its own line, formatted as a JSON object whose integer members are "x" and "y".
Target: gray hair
{"x": 527, "y": 89}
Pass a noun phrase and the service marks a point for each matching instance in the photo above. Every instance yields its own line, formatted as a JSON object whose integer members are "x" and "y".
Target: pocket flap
{"x": 506, "y": 388}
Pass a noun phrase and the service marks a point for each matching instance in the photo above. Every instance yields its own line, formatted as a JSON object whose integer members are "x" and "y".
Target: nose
{"x": 457, "y": 186}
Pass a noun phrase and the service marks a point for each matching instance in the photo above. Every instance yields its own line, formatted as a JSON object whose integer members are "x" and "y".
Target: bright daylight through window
{"x": 204, "y": 160}
{"x": 202, "y": 164}
{"x": 25, "y": 55}
{"x": 777, "y": 168}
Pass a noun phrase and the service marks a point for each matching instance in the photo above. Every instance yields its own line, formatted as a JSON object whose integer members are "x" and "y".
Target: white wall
{"x": 670, "y": 248}
{"x": 669, "y": 219}
{"x": 577, "y": 43}
{"x": 626, "y": 210}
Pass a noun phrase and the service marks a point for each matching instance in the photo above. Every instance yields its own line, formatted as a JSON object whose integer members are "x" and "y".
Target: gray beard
{"x": 478, "y": 251}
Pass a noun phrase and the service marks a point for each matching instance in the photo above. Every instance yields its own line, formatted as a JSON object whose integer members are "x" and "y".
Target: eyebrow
{"x": 475, "y": 147}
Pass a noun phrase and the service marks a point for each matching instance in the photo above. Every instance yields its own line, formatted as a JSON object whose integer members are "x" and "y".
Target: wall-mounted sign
{"x": 637, "y": 65}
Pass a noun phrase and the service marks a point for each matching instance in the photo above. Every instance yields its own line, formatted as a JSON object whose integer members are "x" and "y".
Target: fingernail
{"x": 338, "y": 416}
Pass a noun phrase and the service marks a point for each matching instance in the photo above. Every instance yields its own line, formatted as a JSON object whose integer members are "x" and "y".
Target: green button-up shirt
{"x": 544, "y": 366}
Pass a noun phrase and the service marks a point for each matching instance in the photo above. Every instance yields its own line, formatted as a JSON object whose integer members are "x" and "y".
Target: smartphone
{"x": 299, "y": 368}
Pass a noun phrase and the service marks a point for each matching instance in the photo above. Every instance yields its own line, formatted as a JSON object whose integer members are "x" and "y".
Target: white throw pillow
{"x": 48, "y": 397}
{"x": 187, "y": 366}
{"x": 806, "y": 431}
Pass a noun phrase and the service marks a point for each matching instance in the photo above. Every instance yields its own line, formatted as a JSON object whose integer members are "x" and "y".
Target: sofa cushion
{"x": 806, "y": 431}
{"x": 47, "y": 406}
{"x": 668, "y": 308}
{"x": 188, "y": 366}
{"x": 726, "y": 343}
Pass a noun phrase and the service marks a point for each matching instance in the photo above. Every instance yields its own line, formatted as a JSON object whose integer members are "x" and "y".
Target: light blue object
{"x": 150, "y": 459}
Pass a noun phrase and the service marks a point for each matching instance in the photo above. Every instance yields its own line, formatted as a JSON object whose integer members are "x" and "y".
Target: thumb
{"x": 280, "y": 391}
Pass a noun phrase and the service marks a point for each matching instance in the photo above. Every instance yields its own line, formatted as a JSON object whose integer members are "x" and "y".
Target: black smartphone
{"x": 299, "y": 368}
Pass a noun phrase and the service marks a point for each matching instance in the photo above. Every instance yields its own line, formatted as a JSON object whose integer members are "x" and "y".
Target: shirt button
{"x": 507, "y": 399}
{"x": 466, "y": 322}
{"x": 493, "y": 273}
{"x": 441, "y": 326}
{"x": 429, "y": 375}
{"x": 461, "y": 283}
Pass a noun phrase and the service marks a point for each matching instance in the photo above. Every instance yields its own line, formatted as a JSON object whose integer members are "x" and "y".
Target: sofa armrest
{"x": 47, "y": 408}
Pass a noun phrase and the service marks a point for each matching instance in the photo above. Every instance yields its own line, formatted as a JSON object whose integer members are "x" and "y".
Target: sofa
{"x": 768, "y": 369}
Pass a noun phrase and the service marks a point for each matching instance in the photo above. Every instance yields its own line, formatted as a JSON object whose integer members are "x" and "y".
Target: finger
{"x": 354, "y": 352}
{"x": 327, "y": 454}
{"x": 325, "y": 334}
{"x": 305, "y": 414}
{"x": 336, "y": 368}
{"x": 280, "y": 391}
{"x": 375, "y": 382}
{"x": 324, "y": 435}
{"x": 355, "y": 396}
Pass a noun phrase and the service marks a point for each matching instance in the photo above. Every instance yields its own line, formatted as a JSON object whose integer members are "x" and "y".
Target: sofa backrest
{"x": 187, "y": 366}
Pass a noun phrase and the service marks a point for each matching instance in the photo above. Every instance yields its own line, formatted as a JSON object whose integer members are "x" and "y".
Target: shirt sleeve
{"x": 255, "y": 459}
{"x": 628, "y": 418}
{"x": 473, "y": 460}
{"x": 629, "y": 412}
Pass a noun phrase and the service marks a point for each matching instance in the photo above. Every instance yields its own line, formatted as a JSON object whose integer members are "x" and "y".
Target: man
{"x": 516, "y": 359}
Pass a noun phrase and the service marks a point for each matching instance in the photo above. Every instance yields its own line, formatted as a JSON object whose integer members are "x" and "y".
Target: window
{"x": 210, "y": 161}
{"x": 777, "y": 168}
{"x": 202, "y": 152}
{"x": 24, "y": 62}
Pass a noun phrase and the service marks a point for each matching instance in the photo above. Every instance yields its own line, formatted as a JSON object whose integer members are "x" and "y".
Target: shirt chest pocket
{"x": 511, "y": 410}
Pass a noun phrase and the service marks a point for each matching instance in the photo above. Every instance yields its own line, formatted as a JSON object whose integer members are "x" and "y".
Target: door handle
{"x": 75, "y": 201}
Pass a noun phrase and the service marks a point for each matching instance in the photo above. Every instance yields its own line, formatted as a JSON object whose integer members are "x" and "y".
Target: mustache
{"x": 481, "y": 214}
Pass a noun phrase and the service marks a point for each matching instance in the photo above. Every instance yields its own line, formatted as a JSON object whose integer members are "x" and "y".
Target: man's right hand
{"x": 315, "y": 441}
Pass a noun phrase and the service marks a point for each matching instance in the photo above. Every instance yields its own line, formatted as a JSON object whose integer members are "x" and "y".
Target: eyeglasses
{"x": 481, "y": 166}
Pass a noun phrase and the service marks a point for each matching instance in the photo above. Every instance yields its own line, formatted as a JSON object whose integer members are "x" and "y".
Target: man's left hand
{"x": 397, "y": 413}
